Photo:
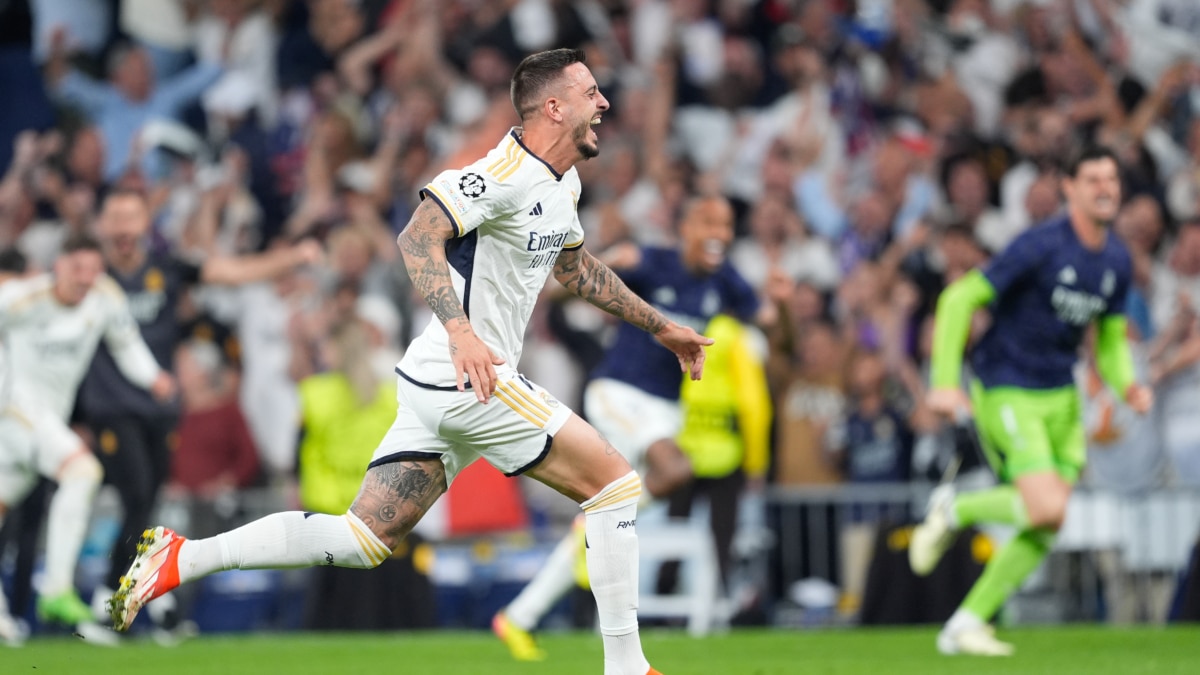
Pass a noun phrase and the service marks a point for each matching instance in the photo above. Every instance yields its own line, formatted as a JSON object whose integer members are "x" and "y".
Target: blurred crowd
{"x": 873, "y": 151}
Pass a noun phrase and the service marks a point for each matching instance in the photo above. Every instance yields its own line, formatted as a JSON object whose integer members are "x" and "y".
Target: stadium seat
{"x": 699, "y": 601}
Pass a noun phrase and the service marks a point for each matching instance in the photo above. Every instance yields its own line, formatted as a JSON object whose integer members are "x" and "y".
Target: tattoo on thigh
{"x": 395, "y": 496}
{"x": 388, "y": 512}
{"x": 608, "y": 447}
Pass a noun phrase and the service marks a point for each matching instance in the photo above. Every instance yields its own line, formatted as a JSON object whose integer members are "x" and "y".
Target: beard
{"x": 580, "y": 137}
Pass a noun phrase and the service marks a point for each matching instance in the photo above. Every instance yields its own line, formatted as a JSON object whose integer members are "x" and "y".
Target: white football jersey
{"x": 512, "y": 215}
{"x": 51, "y": 345}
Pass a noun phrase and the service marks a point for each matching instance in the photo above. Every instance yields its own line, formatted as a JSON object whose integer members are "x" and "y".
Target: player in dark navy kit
{"x": 633, "y": 397}
{"x": 132, "y": 430}
{"x": 1043, "y": 291}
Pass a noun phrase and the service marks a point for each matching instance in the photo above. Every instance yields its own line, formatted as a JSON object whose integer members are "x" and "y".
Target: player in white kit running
{"x": 51, "y": 325}
{"x": 479, "y": 249}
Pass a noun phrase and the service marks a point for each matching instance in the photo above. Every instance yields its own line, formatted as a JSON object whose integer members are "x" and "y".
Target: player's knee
{"x": 1048, "y": 512}
{"x": 82, "y": 467}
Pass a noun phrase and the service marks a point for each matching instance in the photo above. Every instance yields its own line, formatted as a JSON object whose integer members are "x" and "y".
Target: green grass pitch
{"x": 1057, "y": 651}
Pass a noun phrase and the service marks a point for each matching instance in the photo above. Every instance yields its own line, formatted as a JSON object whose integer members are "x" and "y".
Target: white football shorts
{"x": 21, "y": 456}
{"x": 512, "y": 431}
{"x": 630, "y": 418}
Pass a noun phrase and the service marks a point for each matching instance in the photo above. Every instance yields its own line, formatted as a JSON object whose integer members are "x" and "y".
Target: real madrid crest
{"x": 153, "y": 279}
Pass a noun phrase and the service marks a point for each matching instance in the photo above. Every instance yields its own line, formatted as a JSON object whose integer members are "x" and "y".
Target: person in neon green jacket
{"x": 726, "y": 433}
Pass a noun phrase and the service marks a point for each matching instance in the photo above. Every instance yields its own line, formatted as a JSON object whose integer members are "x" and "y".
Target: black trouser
{"x": 136, "y": 454}
{"x": 22, "y": 529}
{"x": 723, "y": 496}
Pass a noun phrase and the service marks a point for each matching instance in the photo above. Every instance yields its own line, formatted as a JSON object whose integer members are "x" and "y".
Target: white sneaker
{"x": 13, "y": 632}
{"x": 931, "y": 538}
{"x": 979, "y": 640}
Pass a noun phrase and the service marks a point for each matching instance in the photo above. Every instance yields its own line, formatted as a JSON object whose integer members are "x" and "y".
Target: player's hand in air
{"x": 473, "y": 361}
{"x": 1140, "y": 398}
{"x": 949, "y": 403}
{"x": 688, "y": 346}
{"x": 163, "y": 388}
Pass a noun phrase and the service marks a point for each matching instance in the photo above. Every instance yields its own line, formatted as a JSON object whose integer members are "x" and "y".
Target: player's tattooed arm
{"x": 423, "y": 246}
{"x": 395, "y": 496}
{"x": 584, "y": 275}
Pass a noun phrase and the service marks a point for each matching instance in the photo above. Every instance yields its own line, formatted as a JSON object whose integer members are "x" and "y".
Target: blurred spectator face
{"x": 198, "y": 369}
{"x": 769, "y": 220}
{"x": 1095, "y": 191}
{"x": 350, "y": 253}
{"x": 819, "y": 349}
{"x": 860, "y": 289}
{"x": 623, "y": 169}
{"x": 891, "y": 167}
{"x": 742, "y": 76}
{"x": 807, "y": 305}
{"x": 229, "y": 11}
{"x": 133, "y": 74}
{"x": 334, "y": 24}
{"x": 74, "y": 275}
{"x": 960, "y": 251}
{"x": 867, "y": 373}
{"x": 1140, "y": 224}
{"x": 1185, "y": 257}
{"x": 968, "y": 189}
{"x": 1053, "y": 133}
{"x": 817, "y": 20}
{"x": 872, "y": 218}
{"x": 85, "y": 158}
{"x": 337, "y": 134}
{"x": 777, "y": 171}
{"x": 123, "y": 224}
{"x": 798, "y": 61}
{"x": 77, "y": 204}
{"x": 1041, "y": 201}
{"x": 488, "y": 68}
{"x": 706, "y": 232}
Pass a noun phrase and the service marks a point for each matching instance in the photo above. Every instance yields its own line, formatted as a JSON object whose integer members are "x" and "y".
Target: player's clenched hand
{"x": 949, "y": 403}
{"x": 688, "y": 346}
{"x": 1140, "y": 398}
{"x": 163, "y": 387}
{"x": 473, "y": 362}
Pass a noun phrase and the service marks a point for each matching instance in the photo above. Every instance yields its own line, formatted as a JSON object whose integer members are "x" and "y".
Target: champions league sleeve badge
{"x": 472, "y": 185}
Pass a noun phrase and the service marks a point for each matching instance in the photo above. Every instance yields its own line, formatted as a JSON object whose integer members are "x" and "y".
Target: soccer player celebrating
{"x": 52, "y": 324}
{"x": 1043, "y": 292}
{"x": 633, "y": 398}
{"x": 478, "y": 249}
{"x": 133, "y": 431}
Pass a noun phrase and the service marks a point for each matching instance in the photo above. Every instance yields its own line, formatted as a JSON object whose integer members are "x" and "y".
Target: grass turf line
{"x": 1052, "y": 650}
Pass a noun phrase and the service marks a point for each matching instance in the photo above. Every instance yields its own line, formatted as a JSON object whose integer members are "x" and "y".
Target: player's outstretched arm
{"x": 584, "y": 275}
{"x": 423, "y": 246}
{"x": 951, "y": 326}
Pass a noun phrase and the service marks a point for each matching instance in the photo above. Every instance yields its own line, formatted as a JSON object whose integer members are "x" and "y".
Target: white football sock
{"x": 612, "y": 560}
{"x": 551, "y": 583}
{"x": 67, "y": 521}
{"x": 283, "y": 540}
{"x": 963, "y": 619}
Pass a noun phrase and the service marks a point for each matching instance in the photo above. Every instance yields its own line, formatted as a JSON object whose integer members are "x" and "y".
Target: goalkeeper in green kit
{"x": 1043, "y": 291}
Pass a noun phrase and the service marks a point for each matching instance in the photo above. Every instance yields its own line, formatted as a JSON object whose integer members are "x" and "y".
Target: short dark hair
{"x": 1089, "y": 153}
{"x": 125, "y": 191}
{"x": 79, "y": 241}
{"x": 13, "y": 261}
{"x": 535, "y": 72}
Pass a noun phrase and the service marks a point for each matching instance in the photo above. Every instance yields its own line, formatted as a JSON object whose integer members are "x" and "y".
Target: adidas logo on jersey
{"x": 537, "y": 209}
